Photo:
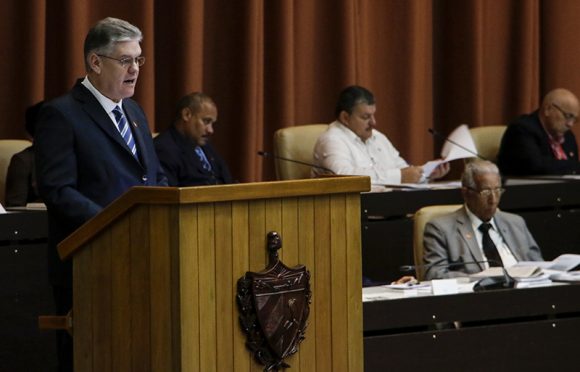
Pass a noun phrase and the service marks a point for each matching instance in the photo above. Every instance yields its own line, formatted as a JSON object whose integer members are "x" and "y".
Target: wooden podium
{"x": 155, "y": 274}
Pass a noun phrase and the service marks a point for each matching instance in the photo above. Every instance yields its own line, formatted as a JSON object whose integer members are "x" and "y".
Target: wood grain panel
{"x": 289, "y": 231}
{"x": 257, "y": 235}
{"x": 102, "y": 306}
{"x": 83, "y": 310}
{"x": 207, "y": 287}
{"x": 307, "y": 228}
{"x": 161, "y": 287}
{"x": 190, "y": 283}
{"x": 273, "y": 210}
{"x": 225, "y": 291}
{"x": 322, "y": 284}
{"x": 240, "y": 264}
{"x": 203, "y": 194}
{"x": 140, "y": 288}
{"x": 354, "y": 286}
{"x": 339, "y": 282}
{"x": 121, "y": 295}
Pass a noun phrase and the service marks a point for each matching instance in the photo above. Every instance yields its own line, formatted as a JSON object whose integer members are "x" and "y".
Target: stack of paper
{"x": 459, "y": 145}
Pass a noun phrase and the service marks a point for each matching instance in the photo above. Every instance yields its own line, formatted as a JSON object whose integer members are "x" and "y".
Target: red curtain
{"x": 272, "y": 64}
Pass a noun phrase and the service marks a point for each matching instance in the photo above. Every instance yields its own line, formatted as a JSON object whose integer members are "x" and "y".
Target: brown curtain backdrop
{"x": 277, "y": 63}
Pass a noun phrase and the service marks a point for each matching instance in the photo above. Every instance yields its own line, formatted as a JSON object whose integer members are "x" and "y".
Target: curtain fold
{"x": 274, "y": 64}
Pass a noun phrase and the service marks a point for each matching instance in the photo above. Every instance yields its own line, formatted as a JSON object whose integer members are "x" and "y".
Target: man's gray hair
{"x": 103, "y": 36}
{"x": 477, "y": 167}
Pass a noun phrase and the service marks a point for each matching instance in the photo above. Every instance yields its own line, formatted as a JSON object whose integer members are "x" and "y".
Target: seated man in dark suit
{"x": 478, "y": 231}
{"x": 541, "y": 143}
{"x": 184, "y": 151}
{"x": 20, "y": 179}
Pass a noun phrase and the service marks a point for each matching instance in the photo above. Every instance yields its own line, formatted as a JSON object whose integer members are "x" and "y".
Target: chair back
{"x": 420, "y": 219}
{"x": 296, "y": 143}
{"x": 8, "y": 147}
{"x": 487, "y": 140}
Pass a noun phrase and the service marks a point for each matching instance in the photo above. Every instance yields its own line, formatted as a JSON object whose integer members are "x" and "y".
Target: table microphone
{"x": 439, "y": 135}
{"x": 483, "y": 284}
{"x": 270, "y": 155}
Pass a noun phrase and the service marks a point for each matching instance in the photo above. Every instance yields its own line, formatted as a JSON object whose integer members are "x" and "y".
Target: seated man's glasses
{"x": 486, "y": 193}
{"x": 568, "y": 116}
{"x": 127, "y": 61}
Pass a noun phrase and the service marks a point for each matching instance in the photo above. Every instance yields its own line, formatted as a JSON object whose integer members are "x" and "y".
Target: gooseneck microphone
{"x": 483, "y": 284}
{"x": 270, "y": 155}
{"x": 434, "y": 133}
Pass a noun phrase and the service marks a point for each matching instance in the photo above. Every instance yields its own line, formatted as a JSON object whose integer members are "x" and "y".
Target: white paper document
{"x": 564, "y": 262}
{"x": 459, "y": 145}
{"x": 2, "y": 210}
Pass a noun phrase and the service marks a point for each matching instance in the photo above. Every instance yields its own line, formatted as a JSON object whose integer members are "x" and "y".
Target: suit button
{"x": 144, "y": 178}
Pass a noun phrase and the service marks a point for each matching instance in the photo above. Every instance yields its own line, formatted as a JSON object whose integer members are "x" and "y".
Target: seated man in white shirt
{"x": 478, "y": 231}
{"x": 352, "y": 146}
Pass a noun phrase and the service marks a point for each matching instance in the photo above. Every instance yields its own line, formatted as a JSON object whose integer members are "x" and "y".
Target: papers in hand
{"x": 459, "y": 145}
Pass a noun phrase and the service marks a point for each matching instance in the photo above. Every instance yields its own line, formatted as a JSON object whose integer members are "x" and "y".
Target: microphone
{"x": 270, "y": 155}
{"x": 483, "y": 284}
{"x": 440, "y": 136}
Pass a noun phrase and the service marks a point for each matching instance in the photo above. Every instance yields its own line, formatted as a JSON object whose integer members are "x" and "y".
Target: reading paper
{"x": 459, "y": 145}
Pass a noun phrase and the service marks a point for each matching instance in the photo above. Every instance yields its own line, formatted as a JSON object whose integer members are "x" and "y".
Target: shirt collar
{"x": 353, "y": 136}
{"x": 476, "y": 222}
{"x": 107, "y": 103}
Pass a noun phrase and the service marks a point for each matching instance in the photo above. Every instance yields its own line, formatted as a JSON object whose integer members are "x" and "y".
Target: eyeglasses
{"x": 486, "y": 193}
{"x": 127, "y": 61}
{"x": 568, "y": 116}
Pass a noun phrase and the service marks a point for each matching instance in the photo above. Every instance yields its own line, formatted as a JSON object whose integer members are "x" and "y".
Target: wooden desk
{"x": 25, "y": 293}
{"x": 534, "y": 329}
{"x": 551, "y": 209}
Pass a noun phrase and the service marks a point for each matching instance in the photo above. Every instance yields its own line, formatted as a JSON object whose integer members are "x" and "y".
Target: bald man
{"x": 541, "y": 143}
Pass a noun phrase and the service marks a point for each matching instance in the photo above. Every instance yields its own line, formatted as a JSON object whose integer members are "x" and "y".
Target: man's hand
{"x": 407, "y": 279}
{"x": 441, "y": 170}
{"x": 411, "y": 174}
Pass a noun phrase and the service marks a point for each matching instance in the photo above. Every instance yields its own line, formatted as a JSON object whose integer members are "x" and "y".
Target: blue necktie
{"x": 124, "y": 129}
{"x": 202, "y": 158}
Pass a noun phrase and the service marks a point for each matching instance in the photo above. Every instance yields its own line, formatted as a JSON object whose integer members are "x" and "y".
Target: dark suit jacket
{"x": 450, "y": 239}
{"x": 525, "y": 150}
{"x": 83, "y": 163}
{"x": 21, "y": 180}
{"x": 182, "y": 165}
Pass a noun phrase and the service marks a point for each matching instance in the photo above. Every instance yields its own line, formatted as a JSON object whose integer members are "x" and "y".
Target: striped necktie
{"x": 124, "y": 129}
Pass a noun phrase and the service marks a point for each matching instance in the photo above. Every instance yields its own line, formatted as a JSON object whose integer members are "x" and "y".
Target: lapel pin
{"x": 571, "y": 154}
{"x": 468, "y": 236}
{"x": 135, "y": 124}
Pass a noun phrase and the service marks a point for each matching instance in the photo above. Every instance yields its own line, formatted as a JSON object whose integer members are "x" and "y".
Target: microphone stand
{"x": 440, "y": 136}
{"x": 270, "y": 155}
{"x": 484, "y": 284}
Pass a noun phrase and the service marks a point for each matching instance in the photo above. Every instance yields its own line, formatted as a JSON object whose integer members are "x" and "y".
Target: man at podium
{"x": 91, "y": 146}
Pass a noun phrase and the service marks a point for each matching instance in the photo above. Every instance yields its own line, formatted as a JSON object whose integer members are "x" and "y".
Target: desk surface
{"x": 550, "y": 208}
{"x": 23, "y": 225}
{"x": 532, "y": 329}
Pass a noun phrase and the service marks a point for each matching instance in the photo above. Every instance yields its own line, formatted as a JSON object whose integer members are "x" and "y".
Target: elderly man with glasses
{"x": 477, "y": 232}
{"x": 91, "y": 146}
{"x": 541, "y": 143}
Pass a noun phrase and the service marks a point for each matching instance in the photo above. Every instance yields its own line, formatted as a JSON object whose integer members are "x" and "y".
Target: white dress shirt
{"x": 343, "y": 152}
{"x": 506, "y": 255}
